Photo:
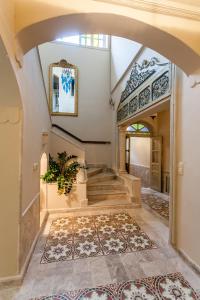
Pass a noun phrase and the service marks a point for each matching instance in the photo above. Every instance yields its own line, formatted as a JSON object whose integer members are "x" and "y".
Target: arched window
{"x": 138, "y": 129}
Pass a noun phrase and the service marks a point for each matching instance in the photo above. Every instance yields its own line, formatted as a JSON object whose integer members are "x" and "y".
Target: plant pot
{"x": 56, "y": 201}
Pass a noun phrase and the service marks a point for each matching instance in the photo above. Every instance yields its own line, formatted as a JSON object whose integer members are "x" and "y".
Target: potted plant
{"x": 63, "y": 171}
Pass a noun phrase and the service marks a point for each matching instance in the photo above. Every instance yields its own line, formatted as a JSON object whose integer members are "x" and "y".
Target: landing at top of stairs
{"x": 93, "y": 171}
{"x": 100, "y": 176}
{"x": 104, "y": 188}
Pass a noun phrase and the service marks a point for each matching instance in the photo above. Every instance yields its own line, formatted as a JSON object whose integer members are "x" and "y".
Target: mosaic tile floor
{"x": 80, "y": 274}
{"x": 168, "y": 287}
{"x": 158, "y": 202}
{"x": 90, "y": 236}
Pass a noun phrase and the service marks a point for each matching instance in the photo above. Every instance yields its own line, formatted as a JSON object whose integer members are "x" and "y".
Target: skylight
{"x": 87, "y": 40}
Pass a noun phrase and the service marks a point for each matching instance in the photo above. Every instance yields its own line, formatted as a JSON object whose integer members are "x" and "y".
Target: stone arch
{"x": 10, "y": 159}
{"x": 113, "y": 24}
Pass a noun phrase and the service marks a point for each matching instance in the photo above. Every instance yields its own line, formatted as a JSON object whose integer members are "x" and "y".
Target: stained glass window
{"x": 130, "y": 128}
{"x": 87, "y": 40}
{"x": 138, "y": 128}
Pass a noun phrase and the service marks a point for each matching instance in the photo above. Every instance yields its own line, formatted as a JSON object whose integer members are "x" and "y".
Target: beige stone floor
{"x": 53, "y": 278}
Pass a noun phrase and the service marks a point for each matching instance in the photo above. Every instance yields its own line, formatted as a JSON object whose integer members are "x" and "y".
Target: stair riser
{"x": 105, "y": 178}
{"x": 95, "y": 172}
{"x": 106, "y": 187}
{"x": 107, "y": 197}
{"x": 110, "y": 203}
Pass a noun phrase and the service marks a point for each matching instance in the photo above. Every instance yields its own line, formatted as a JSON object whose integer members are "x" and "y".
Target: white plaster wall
{"x": 94, "y": 119}
{"x": 94, "y": 112}
{"x": 140, "y": 151}
{"x": 89, "y": 153}
{"x": 36, "y": 120}
{"x": 98, "y": 154}
{"x": 59, "y": 143}
{"x": 122, "y": 53}
{"x": 188, "y": 143}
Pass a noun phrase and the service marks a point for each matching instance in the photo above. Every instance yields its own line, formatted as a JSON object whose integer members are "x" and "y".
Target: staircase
{"x": 104, "y": 188}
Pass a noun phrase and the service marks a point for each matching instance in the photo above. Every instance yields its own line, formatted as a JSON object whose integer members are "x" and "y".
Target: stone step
{"x": 106, "y": 195}
{"x": 106, "y": 186}
{"x": 102, "y": 177}
{"x": 114, "y": 181}
{"x": 109, "y": 202}
{"x": 93, "y": 171}
{"x": 92, "y": 166}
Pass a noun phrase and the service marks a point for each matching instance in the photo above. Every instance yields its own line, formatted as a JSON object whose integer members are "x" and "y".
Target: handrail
{"x": 77, "y": 138}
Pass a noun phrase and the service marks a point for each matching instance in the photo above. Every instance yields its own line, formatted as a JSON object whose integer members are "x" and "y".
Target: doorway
{"x": 138, "y": 143}
{"x": 147, "y": 157}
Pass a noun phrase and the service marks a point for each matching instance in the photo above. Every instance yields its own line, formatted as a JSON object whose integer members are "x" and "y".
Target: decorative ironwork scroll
{"x": 144, "y": 97}
{"x": 133, "y": 105}
{"x": 138, "y": 75}
{"x": 136, "y": 79}
{"x": 160, "y": 86}
{"x": 149, "y": 82}
{"x": 122, "y": 113}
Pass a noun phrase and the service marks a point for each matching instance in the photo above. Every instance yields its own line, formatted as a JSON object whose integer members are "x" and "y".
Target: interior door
{"x": 128, "y": 153}
{"x": 155, "y": 163}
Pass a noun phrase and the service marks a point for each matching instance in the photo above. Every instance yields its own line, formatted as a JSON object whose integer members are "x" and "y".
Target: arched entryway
{"x": 133, "y": 28}
{"x": 10, "y": 155}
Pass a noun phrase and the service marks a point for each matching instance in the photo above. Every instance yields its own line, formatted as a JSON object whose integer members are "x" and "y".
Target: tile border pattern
{"x": 167, "y": 287}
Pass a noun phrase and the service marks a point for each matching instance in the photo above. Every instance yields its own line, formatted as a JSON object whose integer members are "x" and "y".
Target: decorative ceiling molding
{"x": 172, "y": 8}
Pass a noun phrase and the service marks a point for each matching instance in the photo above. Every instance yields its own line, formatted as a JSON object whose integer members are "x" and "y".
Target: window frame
{"x": 106, "y": 41}
{"x": 138, "y": 132}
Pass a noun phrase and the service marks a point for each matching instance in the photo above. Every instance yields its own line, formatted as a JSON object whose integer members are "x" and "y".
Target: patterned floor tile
{"x": 140, "y": 241}
{"x": 114, "y": 245}
{"x": 57, "y": 252}
{"x": 87, "y": 248}
{"x": 158, "y": 202}
{"x": 168, "y": 287}
{"x": 89, "y": 236}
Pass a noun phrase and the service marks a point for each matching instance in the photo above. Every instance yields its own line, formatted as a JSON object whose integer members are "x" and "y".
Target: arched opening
{"x": 43, "y": 187}
{"x": 10, "y": 156}
{"x": 140, "y": 131}
{"x": 161, "y": 41}
{"x": 152, "y": 37}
